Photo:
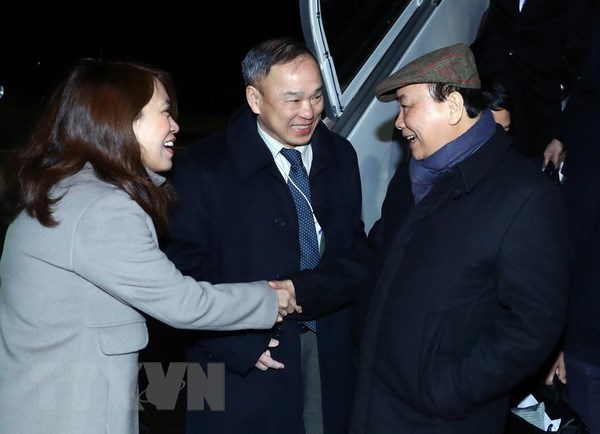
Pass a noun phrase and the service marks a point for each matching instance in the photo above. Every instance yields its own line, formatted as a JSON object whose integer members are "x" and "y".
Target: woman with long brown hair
{"x": 81, "y": 260}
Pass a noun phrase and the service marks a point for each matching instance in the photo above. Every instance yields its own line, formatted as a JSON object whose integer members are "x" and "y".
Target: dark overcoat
{"x": 236, "y": 221}
{"x": 529, "y": 51}
{"x": 469, "y": 299}
{"x": 582, "y": 192}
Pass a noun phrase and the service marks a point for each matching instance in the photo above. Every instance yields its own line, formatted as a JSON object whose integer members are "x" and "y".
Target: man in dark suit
{"x": 535, "y": 48}
{"x": 579, "y": 365}
{"x": 236, "y": 220}
{"x": 470, "y": 278}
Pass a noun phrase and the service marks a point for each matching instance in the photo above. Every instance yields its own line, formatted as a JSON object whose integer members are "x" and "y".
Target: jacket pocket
{"x": 432, "y": 339}
{"x": 123, "y": 339}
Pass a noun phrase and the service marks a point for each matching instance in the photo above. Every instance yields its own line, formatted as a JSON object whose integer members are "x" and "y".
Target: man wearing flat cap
{"x": 470, "y": 295}
{"x": 469, "y": 270}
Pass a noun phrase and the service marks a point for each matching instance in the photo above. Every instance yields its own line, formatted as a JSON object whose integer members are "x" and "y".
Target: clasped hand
{"x": 287, "y": 304}
{"x": 287, "y": 297}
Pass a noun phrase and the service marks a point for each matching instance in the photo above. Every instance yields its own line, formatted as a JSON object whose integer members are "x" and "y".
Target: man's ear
{"x": 456, "y": 108}
{"x": 253, "y": 97}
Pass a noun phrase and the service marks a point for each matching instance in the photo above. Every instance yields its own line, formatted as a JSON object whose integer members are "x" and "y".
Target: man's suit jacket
{"x": 470, "y": 296}
{"x": 236, "y": 219}
{"x": 582, "y": 191}
{"x": 525, "y": 50}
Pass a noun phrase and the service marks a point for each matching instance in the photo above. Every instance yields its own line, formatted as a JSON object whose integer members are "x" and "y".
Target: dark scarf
{"x": 423, "y": 173}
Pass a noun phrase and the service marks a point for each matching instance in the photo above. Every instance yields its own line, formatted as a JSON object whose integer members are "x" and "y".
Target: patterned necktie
{"x": 300, "y": 189}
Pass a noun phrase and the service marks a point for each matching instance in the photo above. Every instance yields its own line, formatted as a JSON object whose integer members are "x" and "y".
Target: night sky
{"x": 203, "y": 51}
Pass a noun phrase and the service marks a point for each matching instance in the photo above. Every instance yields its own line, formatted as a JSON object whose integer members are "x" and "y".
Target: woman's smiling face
{"x": 155, "y": 130}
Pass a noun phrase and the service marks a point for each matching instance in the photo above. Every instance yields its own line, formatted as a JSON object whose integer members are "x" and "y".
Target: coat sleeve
{"x": 531, "y": 280}
{"x": 342, "y": 271}
{"x": 334, "y": 283}
{"x": 239, "y": 351}
{"x": 115, "y": 248}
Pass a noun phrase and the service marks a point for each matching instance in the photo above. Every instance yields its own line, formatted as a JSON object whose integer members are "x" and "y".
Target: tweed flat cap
{"x": 454, "y": 65}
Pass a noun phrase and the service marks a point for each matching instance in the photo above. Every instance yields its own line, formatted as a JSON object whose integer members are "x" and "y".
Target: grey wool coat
{"x": 71, "y": 299}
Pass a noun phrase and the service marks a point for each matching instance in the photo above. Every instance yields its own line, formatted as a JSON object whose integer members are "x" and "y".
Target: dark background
{"x": 200, "y": 43}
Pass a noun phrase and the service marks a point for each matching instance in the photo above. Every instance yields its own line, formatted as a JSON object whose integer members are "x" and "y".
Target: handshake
{"x": 287, "y": 297}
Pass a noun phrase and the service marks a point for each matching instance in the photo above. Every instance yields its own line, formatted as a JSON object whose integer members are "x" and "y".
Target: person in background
{"x": 498, "y": 101}
{"x": 237, "y": 218}
{"x": 535, "y": 48}
{"x": 555, "y": 150}
{"x": 470, "y": 274}
{"x": 579, "y": 364}
{"x": 81, "y": 258}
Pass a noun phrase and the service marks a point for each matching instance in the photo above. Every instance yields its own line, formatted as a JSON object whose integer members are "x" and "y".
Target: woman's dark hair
{"x": 474, "y": 99}
{"x": 89, "y": 119}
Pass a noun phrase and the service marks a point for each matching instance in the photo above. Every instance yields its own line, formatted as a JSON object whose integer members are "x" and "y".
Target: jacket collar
{"x": 250, "y": 154}
{"x": 88, "y": 172}
{"x": 474, "y": 168}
